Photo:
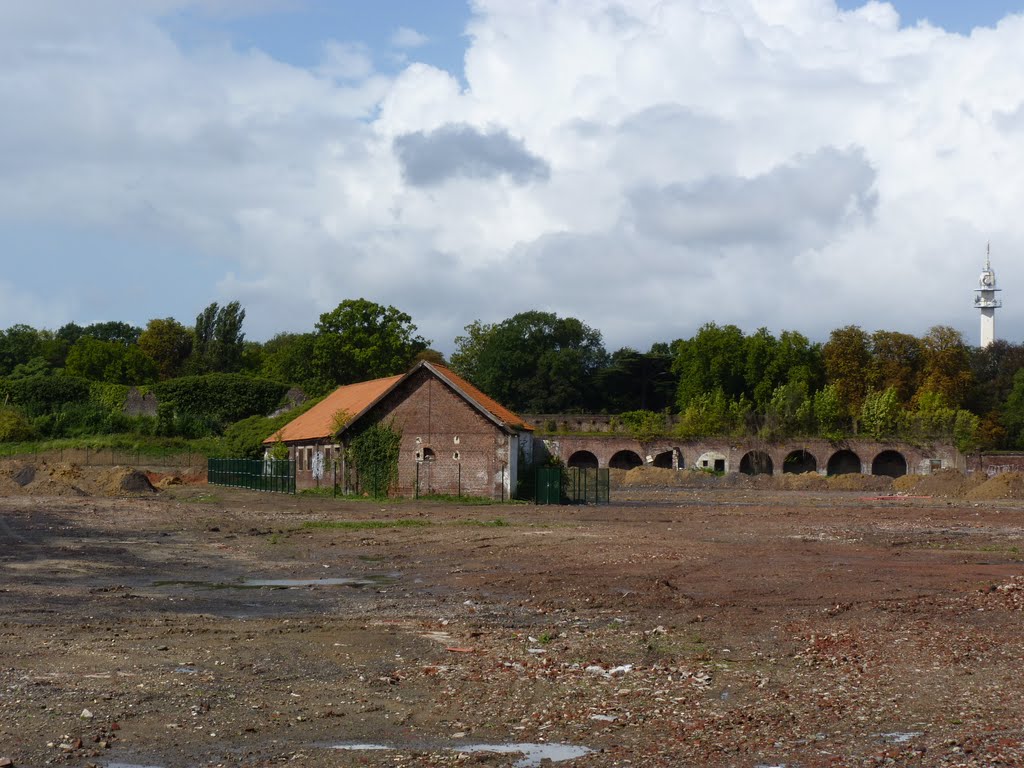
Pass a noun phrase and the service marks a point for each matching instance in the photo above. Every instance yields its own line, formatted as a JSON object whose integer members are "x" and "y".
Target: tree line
{"x": 719, "y": 381}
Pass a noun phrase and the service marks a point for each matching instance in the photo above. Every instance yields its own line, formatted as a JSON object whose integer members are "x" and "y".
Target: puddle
{"x": 342, "y": 581}
{"x": 533, "y": 754}
{"x": 361, "y": 746}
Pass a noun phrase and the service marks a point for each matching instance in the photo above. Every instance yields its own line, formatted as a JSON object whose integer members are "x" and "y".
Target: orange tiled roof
{"x": 318, "y": 421}
{"x": 489, "y": 404}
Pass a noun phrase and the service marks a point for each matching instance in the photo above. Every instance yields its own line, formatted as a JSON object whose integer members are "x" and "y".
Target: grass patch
{"x": 451, "y": 498}
{"x": 359, "y": 525}
{"x": 495, "y": 523}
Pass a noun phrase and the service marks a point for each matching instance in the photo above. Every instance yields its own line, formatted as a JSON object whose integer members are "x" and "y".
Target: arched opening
{"x": 798, "y": 462}
{"x": 756, "y": 463}
{"x": 428, "y": 454}
{"x": 625, "y": 460}
{"x": 844, "y": 462}
{"x": 583, "y": 460}
{"x": 663, "y": 460}
{"x": 890, "y": 464}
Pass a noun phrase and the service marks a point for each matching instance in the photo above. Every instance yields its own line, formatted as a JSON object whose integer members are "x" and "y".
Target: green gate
{"x": 575, "y": 485}
{"x": 549, "y": 485}
{"x": 273, "y": 475}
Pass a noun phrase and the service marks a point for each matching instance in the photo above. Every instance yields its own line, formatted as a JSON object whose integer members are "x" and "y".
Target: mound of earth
{"x": 858, "y": 482}
{"x": 657, "y": 476}
{"x": 948, "y": 483}
{"x": 1008, "y": 485}
{"x": 63, "y": 479}
{"x": 121, "y": 480}
{"x": 804, "y": 481}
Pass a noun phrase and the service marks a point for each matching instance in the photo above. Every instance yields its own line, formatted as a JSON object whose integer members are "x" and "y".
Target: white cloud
{"x": 647, "y": 165}
{"x": 407, "y": 37}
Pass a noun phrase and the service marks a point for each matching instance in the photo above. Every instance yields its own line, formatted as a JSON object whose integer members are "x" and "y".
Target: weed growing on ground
{"x": 357, "y": 525}
{"x": 495, "y": 523}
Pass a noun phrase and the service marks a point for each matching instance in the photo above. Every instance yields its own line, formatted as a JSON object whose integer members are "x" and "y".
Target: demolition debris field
{"x": 723, "y": 625}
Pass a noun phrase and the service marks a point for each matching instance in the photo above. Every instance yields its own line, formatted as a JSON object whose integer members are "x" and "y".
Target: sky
{"x": 647, "y": 166}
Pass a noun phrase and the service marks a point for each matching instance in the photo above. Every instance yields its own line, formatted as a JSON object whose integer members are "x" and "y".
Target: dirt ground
{"x": 723, "y": 624}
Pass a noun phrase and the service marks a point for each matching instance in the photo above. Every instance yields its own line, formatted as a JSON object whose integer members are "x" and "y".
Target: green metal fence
{"x": 574, "y": 485}
{"x": 274, "y": 475}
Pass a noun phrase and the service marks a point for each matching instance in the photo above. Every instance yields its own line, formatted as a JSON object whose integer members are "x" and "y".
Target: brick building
{"x": 455, "y": 439}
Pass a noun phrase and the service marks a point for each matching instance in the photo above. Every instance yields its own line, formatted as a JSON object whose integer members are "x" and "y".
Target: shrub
{"x": 375, "y": 455}
{"x": 14, "y": 426}
{"x": 220, "y": 397}
{"x": 38, "y": 395}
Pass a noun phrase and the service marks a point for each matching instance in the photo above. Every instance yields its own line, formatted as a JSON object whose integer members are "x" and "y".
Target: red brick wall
{"x": 430, "y": 415}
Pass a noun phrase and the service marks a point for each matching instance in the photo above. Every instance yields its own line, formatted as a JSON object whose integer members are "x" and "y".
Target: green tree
{"x": 712, "y": 413}
{"x": 18, "y": 345}
{"x": 361, "y": 340}
{"x": 168, "y": 343}
{"x": 947, "y": 365}
{"x": 218, "y": 342}
{"x": 714, "y": 359}
{"x": 992, "y": 371}
{"x": 635, "y": 380}
{"x": 790, "y": 412}
{"x": 879, "y": 413}
{"x": 288, "y": 359}
{"x": 537, "y": 362}
{"x": 1013, "y": 412}
{"x": 110, "y": 361}
{"x": 830, "y": 414}
{"x": 113, "y": 331}
{"x": 466, "y": 357}
{"x": 847, "y": 358}
{"x": 896, "y": 361}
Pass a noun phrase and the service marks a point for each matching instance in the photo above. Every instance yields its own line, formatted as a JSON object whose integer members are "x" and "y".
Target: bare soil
{"x": 718, "y": 624}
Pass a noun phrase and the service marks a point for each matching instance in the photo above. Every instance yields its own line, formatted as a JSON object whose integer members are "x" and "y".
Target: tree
{"x": 18, "y": 345}
{"x": 536, "y": 362}
{"x": 830, "y": 415}
{"x": 361, "y": 340}
{"x": 790, "y": 412}
{"x": 110, "y": 361}
{"x": 847, "y": 358}
{"x": 947, "y": 365}
{"x": 168, "y": 343}
{"x": 218, "y": 341}
{"x": 879, "y": 414}
{"x": 992, "y": 369}
{"x": 466, "y": 356}
{"x": 635, "y": 380}
{"x": 113, "y": 331}
{"x": 1013, "y": 412}
{"x": 896, "y": 361}
{"x": 288, "y": 359}
{"x": 714, "y": 359}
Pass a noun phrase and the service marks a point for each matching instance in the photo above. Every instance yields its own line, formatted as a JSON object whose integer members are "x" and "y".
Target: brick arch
{"x": 625, "y": 459}
{"x": 844, "y": 462}
{"x": 757, "y": 462}
{"x": 799, "y": 461}
{"x": 889, "y": 463}
{"x": 582, "y": 458}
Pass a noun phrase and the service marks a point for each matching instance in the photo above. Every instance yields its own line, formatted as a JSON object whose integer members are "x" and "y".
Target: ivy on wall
{"x": 374, "y": 452}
